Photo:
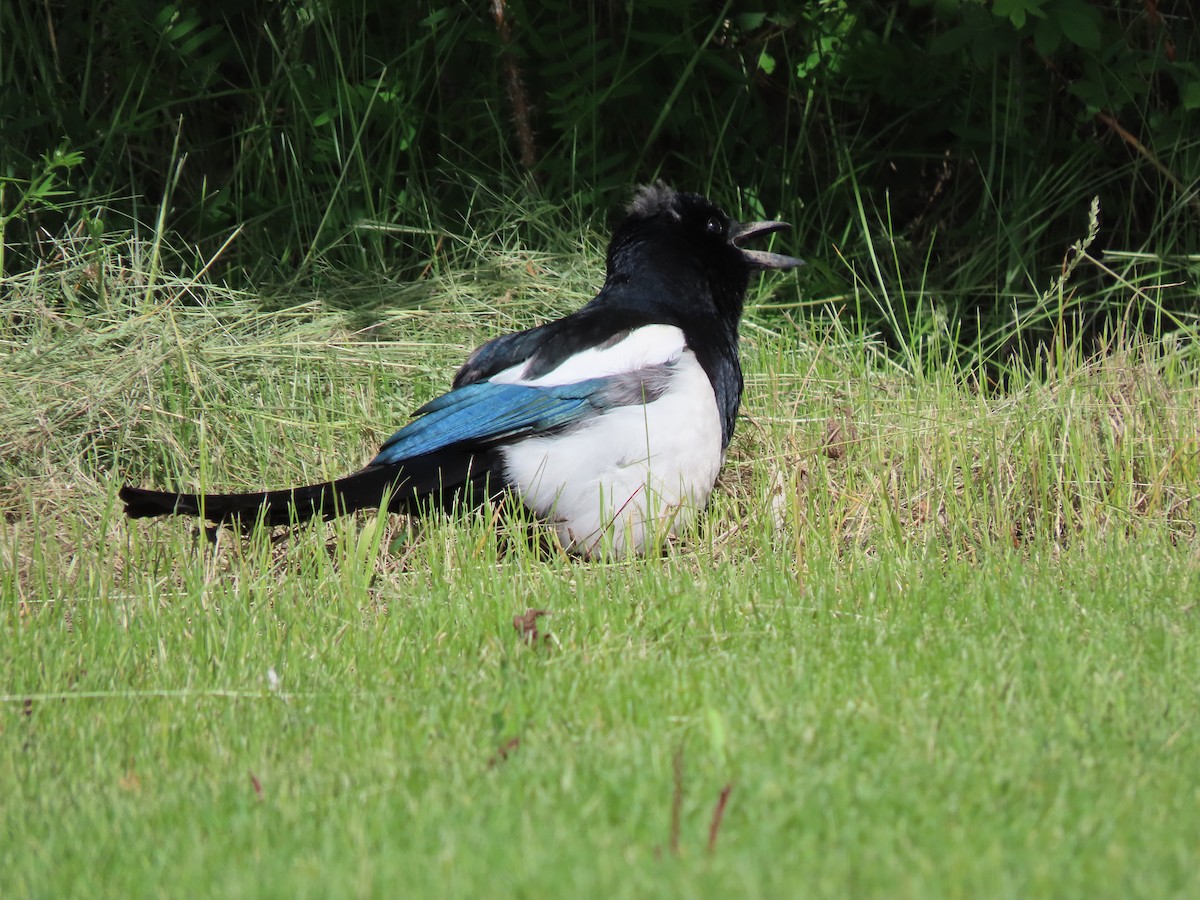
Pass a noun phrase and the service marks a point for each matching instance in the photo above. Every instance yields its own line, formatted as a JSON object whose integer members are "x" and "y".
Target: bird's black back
{"x": 669, "y": 262}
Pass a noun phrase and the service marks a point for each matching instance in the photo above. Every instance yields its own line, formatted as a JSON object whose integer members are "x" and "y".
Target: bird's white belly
{"x": 629, "y": 478}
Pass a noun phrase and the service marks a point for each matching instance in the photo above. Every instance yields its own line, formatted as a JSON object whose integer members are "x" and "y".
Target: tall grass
{"x": 343, "y": 137}
{"x": 930, "y": 637}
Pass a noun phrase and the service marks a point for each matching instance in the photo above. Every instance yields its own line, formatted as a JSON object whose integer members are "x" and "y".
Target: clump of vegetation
{"x": 928, "y": 623}
{"x": 968, "y": 137}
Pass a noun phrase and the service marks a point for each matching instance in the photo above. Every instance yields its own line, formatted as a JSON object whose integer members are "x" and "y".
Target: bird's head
{"x": 687, "y": 240}
{"x": 702, "y": 223}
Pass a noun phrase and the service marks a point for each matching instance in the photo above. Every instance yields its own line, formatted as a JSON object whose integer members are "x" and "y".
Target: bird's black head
{"x": 677, "y": 259}
{"x": 686, "y": 250}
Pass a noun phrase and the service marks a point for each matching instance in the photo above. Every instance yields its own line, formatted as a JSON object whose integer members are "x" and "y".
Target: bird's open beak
{"x": 761, "y": 259}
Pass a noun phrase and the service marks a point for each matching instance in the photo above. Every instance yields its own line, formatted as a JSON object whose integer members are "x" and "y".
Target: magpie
{"x": 610, "y": 424}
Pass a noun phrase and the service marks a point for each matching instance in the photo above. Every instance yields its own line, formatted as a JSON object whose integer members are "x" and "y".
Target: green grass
{"x": 941, "y": 640}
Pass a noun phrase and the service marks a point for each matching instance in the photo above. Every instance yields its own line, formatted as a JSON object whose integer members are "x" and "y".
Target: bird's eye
{"x": 713, "y": 225}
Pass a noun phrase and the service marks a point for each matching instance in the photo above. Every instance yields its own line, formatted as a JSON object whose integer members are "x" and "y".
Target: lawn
{"x": 933, "y": 637}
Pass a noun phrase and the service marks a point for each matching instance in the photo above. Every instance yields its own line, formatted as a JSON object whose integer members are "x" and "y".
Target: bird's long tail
{"x": 436, "y": 480}
{"x": 332, "y": 498}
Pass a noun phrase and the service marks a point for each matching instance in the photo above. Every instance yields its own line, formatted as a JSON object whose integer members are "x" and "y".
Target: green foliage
{"x": 968, "y": 136}
{"x": 293, "y": 120}
{"x": 41, "y": 191}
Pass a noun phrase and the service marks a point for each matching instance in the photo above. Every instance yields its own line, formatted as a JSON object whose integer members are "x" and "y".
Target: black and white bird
{"x": 610, "y": 424}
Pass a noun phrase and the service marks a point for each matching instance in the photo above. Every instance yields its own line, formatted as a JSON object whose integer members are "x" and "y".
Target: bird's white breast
{"x": 626, "y": 479}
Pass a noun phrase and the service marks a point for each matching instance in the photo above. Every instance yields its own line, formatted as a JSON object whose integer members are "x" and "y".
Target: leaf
{"x": 198, "y": 40}
{"x": 1016, "y": 11}
{"x": 526, "y": 625}
{"x": 1047, "y": 36}
{"x": 1191, "y": 95}
{"x": 766, "y": 62}
{"x": 165, "y": 16}
{"x": 503, "y": 752}
{"x": 810, "y": 64}
{"x": 1079, "y": 22}
{"x": 749, "y": 21}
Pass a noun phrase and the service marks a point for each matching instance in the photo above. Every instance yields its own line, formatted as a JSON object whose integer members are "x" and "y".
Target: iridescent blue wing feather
{"x": 486, "y": 412}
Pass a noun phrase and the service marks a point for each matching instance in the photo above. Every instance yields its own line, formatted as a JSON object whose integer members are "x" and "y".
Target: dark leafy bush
{"x": 961, "y": 141}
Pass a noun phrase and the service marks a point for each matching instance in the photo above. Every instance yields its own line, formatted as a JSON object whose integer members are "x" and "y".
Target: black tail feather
{"x": 437, "y": 480}
{"x": 358, "y": 491}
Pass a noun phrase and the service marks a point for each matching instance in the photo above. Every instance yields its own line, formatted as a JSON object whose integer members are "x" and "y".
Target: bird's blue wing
{"x": 485, "y": 412}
